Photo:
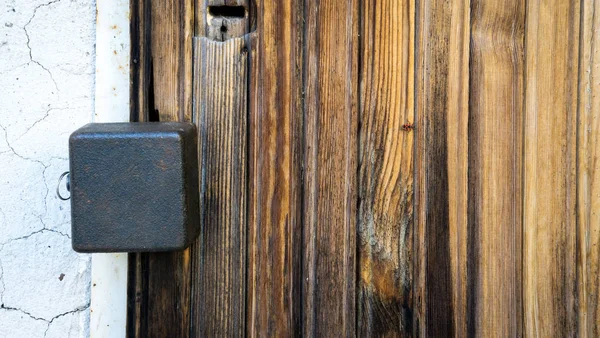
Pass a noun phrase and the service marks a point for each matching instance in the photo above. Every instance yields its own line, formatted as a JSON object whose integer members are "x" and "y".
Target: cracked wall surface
{"x": 47, "y": 87}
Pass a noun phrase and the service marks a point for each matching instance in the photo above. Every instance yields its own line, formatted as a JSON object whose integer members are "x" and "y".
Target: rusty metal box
{"x": 134, "y": 187}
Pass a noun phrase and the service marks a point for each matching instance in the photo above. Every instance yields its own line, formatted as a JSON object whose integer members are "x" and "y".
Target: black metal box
{"x": 134, "y": 187}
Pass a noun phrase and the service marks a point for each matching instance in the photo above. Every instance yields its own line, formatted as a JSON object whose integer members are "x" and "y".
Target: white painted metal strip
{"x": 108, "y": 314}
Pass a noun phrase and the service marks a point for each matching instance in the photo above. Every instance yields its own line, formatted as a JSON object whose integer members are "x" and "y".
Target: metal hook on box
{"x": 66, "y": 173}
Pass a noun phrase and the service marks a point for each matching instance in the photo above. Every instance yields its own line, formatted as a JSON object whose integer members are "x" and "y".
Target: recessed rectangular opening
{"x": 227, "y": 11}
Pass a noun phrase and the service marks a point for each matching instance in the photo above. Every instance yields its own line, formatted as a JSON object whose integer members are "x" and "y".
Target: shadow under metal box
{"x": 134, "y": 187}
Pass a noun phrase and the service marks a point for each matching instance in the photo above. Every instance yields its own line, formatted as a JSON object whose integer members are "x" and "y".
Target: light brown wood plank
{"x": 275, "y": 158}
{"x": 385, "y": 182}
{"x": 549, "y": 262}
{"x": 588, "y": 172}
{"x": 220, "y": 92}
{"x": 331, "y": 116}
{"x": 440, "y": 245}
{"x": 458, "y": 143}
{"x": 171, "y": 45}
{"x": 495, "y": 175}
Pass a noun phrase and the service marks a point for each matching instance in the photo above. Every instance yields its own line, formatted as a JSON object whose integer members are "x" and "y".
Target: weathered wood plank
{"x": 171, "y": 45}
{"x": 275, "y": 158}
{"x": 331, "y": 116}
{"x": 385, "y": 183}
{"x": 220, "y": 92}
{"x": 458, "y": 143}
{"x": 169, "y": 294}
{"x": 161, "y": 282}
{"x": 141, "y": 89}
{"x": 549, "y": 207}
{"x": 441, "y": 167}
{"x": 588, "y": 172}
{"x": 495, "y": 176}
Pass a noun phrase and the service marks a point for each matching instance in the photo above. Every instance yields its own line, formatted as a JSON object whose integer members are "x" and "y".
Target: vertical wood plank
{"x": 458, "y": 143}
{"x": 588, "y": 172}
{"x": 330, "y": 201}
{"x": 171, "y": 45}
{"x": 441, "y": 167}
{"x": 141, "y": 89}
{"x": 495, "y": 173}
{"x": 220, "y": 92}
{"x": 385, "y": 184}
{"x": 169, "y": 293}
{"x": 275, "y": 160}
{"x": 162, "y": 282}
{"x": 549, "y": 270}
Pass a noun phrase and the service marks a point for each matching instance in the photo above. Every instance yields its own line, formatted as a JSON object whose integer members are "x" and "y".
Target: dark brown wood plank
{"x": 440, "y": 246}
{"x": 385, "y": 185}
{"x": 550, "y": 233}
{"x": 330, "y": 200}
{"x": 141, "y": 89}
{"x": 275, "y": 159}
{"x": 220, "y": 92}
{"x": 161, "y": 282}
{"x": 588, "y": 172}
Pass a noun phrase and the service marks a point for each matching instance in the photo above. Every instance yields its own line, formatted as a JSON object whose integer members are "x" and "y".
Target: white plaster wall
{"x": 46, "y": 92}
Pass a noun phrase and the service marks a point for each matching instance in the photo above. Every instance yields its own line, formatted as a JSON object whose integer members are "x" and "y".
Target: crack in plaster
{"x": 49, "y": 321}
{"x": 40, "y": 120}
{"x": 53, "y": 230}
{"x": 19, "y": 155}
{"x": 29, "y": 40}
{"x": 8, "y": 308}
{"x": 30, "y": 29}
{"x": 45, "y": 166}
{"x": 33, "y": 233}
{"x": 14, "y": 68}
{"x": 78, "y": 309}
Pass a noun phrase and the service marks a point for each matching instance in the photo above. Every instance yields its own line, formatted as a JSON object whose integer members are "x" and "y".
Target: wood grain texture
{"x": 549, "y": 158}
{"x": 142, "y": 87}
{"x": 161, "y": 283}
{"x": 457, "y": 88}
{"x": 308, "y": 176}
{"x": 330, "y": 200}
{"x": 385, "y": 180}
{"x": 588, "y": 172}
{"x": 441, "y": 163}
{"x": 172, "y": 29}
{"x": 220, "y": 92}
{"x": 275, "y": 169}
{"x": 495, "y": 176}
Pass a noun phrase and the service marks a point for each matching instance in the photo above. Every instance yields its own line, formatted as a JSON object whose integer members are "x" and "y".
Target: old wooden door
{"x": 325, "y": 213}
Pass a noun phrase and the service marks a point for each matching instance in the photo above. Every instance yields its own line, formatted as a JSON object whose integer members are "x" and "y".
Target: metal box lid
{"x": 134, "y": 187}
